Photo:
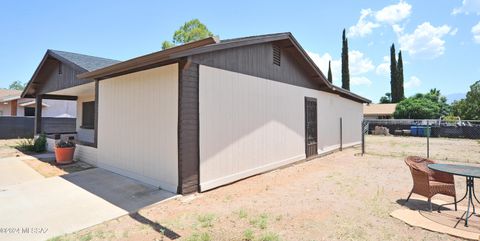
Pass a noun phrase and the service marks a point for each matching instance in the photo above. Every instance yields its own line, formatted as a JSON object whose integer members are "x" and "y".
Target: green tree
{"x": 387, "y": 98}
{"x": 329, "y": 73}
{"x": 167, "y": 45}
{"x": 416, "y": 108}
{"x": 345, "y": 70}
{"x": 469, "y": 108}
{"x": 16, "y": 85}
{"x": 393, "y": 75}
{"x": 192, "y": 30}
{"x": 400, "y": 79}
{"x": 431, "y": 105}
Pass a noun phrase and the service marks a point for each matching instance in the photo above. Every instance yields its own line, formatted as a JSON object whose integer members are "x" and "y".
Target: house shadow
{"x": 123, "y": 192}
{"x": 155, "y": 226}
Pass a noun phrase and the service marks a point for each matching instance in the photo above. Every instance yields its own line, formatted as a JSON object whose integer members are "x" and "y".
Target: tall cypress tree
{"x": 393, "y": 75}
{"x": 401, "y": 94}
{"x": 329, "y": 73}
{"x": 345, "y": 71}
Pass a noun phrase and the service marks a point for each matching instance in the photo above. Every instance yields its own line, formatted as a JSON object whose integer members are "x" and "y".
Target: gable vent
{"x": 276, "y": 55}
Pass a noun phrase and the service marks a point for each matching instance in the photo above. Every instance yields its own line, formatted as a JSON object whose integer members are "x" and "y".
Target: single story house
{"x": 379, "y": 111}
{"x": 203, "y": 114}
{"x": 11, "y": 104}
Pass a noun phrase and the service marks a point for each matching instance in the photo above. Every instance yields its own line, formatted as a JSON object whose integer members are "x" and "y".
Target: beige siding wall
{"x": 137, "y": 126}
{"x": 249, "y": 125}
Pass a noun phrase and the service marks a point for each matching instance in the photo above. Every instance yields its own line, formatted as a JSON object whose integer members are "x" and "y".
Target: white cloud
{"x": 426, "y": 40}
{"x": 412, "y": 83}
{"x": 363, "y": 27}
{"x": 476, "y": 33}
{"x": 358, "y": 65}
{"x": 360, "y": 80}
{"x": 370, "y": 19}
{"x": 384, "y": 68}
{"x": 397, "y": 29}
{"x": 468, "y": 6}
{"x": 394, "y": 13}
{"x": 454, "y": 31}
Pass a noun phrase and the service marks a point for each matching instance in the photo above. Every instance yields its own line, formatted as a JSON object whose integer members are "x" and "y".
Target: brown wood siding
{"x": 13, "y": 107}
{"x": 257, "y": 60}
{"x": 50, "y": 77}
{"x": 188, "y": 128}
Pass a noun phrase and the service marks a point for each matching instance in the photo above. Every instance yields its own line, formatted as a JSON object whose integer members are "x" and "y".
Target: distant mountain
{"x": 455, "y": 96}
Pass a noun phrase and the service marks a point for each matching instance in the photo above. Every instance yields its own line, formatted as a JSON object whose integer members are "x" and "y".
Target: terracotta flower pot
{"x": 64, "y": 155}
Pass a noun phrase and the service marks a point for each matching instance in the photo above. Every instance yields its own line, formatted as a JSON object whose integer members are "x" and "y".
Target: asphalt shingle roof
{"x": 87, "y": 62}
{"x": 6, "y": 93}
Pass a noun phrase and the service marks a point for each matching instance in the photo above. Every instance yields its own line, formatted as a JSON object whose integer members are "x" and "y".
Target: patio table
{"x": 470, "y": 173}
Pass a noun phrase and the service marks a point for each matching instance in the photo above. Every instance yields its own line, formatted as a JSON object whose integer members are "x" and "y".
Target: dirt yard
{"x": 47, "y": 167}
{"x": 342, "y": 196}
{"x": 7, "y": 150}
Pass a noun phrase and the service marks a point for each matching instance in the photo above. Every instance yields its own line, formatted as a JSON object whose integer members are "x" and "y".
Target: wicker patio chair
{"x": 427, "y": 182}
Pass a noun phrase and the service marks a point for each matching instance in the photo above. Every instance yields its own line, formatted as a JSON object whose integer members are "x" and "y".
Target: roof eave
{"x": 145, "y": 60}
{"x": 49, "y": 53}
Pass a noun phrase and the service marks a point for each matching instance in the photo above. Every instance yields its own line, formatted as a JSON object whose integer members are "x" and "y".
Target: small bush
{"x": 65, "y": 144}
{"x": 40, "y": 144}
{"x": 25, "y": 145}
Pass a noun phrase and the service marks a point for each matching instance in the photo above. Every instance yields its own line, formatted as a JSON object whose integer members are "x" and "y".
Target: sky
{"x": 439, "y": 40}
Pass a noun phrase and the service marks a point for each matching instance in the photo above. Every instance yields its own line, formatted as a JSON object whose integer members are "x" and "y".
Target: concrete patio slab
{"x": 60, "y": 205}
{"x": 14, "y": 171}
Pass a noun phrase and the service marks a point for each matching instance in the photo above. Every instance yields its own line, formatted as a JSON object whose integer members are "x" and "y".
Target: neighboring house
{"x": 379, "y": 111}
{"x": 203, "y": 114}
{"x": 11, "y": 104}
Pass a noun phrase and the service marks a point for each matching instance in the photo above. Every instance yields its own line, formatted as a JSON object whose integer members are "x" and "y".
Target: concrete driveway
{"x": 42, "y": 208}
{"x": 14, "y": 171}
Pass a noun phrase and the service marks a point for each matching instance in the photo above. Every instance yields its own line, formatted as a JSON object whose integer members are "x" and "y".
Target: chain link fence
{"x": 453, "y": 140}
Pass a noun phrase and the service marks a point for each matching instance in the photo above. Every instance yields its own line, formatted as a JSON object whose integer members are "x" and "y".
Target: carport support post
{"x": 428, "y": 139}
{"x": 38, "y": 115}
{"x": 363, "y": 136}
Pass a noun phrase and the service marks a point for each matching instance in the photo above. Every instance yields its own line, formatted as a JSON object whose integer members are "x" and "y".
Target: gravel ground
{"x": 342, "y": 196}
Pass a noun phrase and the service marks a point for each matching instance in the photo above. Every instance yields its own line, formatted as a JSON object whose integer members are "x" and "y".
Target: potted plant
{"x": 64, "y": 151}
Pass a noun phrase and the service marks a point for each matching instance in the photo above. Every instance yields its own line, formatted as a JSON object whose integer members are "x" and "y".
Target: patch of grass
{"x": 199, "y": 237}
{"x": 242, "y": 214}
{"x": 100, "y": 234}
{"x": 58, "y": 238}
{"x": 269, "y": 237}
{"x": 248, "y": 235}
{"x": 377, "y": 204}
{"x": 348, "y": 229}
{"x": 260, "y": 222}
{"x": 86, "y": 237}
{"x": 206, "y": 220}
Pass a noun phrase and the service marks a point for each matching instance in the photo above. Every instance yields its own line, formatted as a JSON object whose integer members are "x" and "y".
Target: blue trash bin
{"x": 414, "y": 130}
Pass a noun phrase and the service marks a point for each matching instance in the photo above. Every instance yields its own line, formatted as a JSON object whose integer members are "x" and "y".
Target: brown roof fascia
{"x": 145, "y": 60}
